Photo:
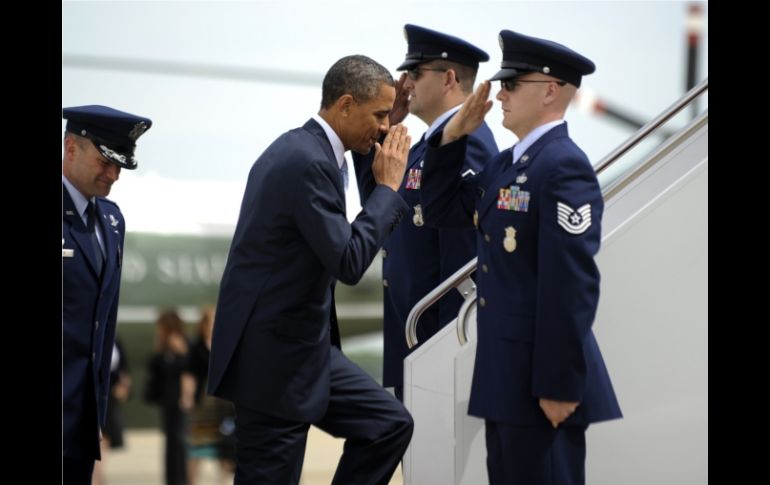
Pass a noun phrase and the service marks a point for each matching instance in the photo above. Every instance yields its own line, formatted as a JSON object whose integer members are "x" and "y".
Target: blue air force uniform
{"x": 538, "y": 224}
{"x": 416, "y": 257}
{"x": 90, "y": 287}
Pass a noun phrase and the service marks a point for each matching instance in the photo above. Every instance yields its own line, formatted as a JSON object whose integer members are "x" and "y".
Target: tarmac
{"x": 140, "y": 462}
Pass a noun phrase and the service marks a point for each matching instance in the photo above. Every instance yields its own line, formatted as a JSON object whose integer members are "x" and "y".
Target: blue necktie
{"x": 513, "y": 160}
{"x": 91, "y": 226}
{"x": 344, "y": 174}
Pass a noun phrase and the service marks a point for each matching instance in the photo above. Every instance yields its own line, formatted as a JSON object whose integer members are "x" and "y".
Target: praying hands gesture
{"x": 390, "y": 157}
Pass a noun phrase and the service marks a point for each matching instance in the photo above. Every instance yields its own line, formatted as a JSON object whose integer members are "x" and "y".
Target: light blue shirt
{"x": 532, "y": 137}
{"x": 437, "y": 122}
{"x": 81, "y": 204}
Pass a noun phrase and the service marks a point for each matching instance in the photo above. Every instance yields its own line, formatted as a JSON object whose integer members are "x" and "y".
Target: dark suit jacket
{"x": 417, "y": 257}
{"x": 270, "y": 349}
{"x": 89, "y": 313}
{"x": 536, "y": 303}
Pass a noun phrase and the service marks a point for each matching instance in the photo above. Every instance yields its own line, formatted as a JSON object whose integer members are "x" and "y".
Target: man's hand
{"x": 557, "y": 411}
{"x": 470, "y": 116}
{"x": 401, "y": 104}
{"x": 390, "y": 158}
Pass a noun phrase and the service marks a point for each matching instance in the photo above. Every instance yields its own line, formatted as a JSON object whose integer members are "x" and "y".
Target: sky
{"x": 254, "y": 71}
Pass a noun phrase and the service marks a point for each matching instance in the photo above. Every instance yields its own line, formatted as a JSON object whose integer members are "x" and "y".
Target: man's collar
{"x": 334, "y": 139}
{"x": 77, "y": 198}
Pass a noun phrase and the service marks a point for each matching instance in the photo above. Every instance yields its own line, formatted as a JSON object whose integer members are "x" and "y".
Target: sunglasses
{"x": 414, "y": 74}
{"x": 512, "y": 83}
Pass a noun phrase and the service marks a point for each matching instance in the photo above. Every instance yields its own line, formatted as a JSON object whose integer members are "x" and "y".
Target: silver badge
{"x": 509, "y": 242}
{"x": 546, "y": 69}
{"x": 524, "y": 157}
{"x": 113, "y": 222}
{"x": 137, "y": 130}
{"x": 521, "y": 178}
{"x": 417, "y": 218}
{"x": 574, "y": 221}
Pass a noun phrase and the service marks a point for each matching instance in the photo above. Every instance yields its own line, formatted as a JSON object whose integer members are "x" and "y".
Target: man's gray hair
{"x": 357, "y": 75}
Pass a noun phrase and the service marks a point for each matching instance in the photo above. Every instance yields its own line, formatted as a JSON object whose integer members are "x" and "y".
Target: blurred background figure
{"x": 211, "y": 419}
{"x": 165, "y": 368}
{"x": 120, "y": 391}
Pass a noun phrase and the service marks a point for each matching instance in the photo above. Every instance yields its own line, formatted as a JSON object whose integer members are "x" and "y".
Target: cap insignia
{"x": 137, "y": 130}
{"x": 113, "y": 154}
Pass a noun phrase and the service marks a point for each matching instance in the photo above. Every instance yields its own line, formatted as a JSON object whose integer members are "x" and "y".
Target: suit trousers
{"x": 535, "y": 455}
{"x": 376, "y": 427}
{"x": 76, "y": 471}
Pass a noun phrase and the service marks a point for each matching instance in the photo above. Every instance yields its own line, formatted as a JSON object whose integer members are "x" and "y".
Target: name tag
{"x": 67, "y": 253}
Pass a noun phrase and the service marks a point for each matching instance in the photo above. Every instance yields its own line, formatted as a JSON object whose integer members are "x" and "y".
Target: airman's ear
{"x": 552, "y": 93}
{"x": 70, "y": 145}
{"x": 451, "y": 75}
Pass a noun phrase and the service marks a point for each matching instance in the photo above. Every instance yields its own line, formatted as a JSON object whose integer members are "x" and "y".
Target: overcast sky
{"x": 208, "y": 130}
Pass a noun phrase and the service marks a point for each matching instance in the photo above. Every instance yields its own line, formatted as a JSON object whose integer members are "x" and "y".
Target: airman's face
{"x": 522, "y": 104}
{"x": 367, "y": 121}
{"x": 424, "y": 83}
{"x": 88, "y": 170}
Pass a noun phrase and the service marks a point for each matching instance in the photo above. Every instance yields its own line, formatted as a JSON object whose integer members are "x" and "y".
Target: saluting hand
{"x": 557, "y": 411}
{"x": 390, "y": 157}
{"x": 401, "y": 104}
{"x": 470, "y": 116}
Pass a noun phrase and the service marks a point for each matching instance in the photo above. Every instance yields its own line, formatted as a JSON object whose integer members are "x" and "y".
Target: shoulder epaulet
{"x": 109, "y": 202}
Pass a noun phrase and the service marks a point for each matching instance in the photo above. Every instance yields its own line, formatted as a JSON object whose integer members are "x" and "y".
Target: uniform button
{"x": 487, "y": 238}
{"x": 485, "y": 268}
{"x": 384, "y": 254}
{"x": 482, "y": 301}
{"x": 97, "y": 324}
{"x": 385, "y": 283}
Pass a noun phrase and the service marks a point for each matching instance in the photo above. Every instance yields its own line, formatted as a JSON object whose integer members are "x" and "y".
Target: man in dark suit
{"x": 539, "y": 378}
{"x": 440, "y": 73}
{"x": 99, "y": 142}
{"x": 275, "y": 350}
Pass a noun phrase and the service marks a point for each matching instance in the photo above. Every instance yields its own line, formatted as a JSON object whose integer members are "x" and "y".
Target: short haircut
{"x": 466, "y": 75}
{"x": 357, "y": 75}
{"x": 80, "y": 141}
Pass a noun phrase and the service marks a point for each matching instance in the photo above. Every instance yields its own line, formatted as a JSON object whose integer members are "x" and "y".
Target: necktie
{"x": 344, "y": 174}
{"x": 513, "y": 159}
{"x": 91, "y": 226}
